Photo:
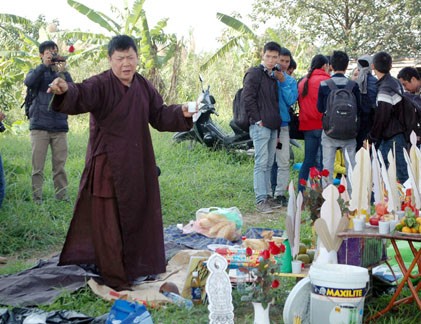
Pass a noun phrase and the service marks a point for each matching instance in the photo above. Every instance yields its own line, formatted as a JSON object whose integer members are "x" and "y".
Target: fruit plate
{"x": 409, "y": 234}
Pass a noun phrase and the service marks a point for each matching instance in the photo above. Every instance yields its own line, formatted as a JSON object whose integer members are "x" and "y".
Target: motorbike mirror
{"x": 200, "y": 78}
{"x": 212, "y": 100}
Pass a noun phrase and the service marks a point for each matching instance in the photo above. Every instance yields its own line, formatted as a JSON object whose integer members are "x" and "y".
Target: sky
{"x": 184, "y": 15}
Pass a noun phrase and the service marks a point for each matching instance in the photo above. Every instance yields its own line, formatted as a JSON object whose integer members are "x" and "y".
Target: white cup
{"x": 296, "y": 266}
{"x": 400, "y": 214}
{"x": 191, "y": 106}
{"x": 393, "y": 224}
{"x": 359, "y": 224}
{"x": 384, "y": 227}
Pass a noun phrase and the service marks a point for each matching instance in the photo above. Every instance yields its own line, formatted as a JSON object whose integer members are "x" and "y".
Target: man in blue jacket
{"x": 47, "y": 127}
{"x": 287, "y": 96}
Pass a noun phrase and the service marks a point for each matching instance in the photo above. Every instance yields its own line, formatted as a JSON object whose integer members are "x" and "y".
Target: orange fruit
{"x": 418, "y": 219}
{"x": 414, "y": 230}
{"x": 406, "y": 229}
{"x": 403, "y": 220}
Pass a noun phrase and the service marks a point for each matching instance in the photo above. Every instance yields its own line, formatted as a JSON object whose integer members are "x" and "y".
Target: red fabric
{"x": 310, "y": 118}
{"x": 121, "y": 141}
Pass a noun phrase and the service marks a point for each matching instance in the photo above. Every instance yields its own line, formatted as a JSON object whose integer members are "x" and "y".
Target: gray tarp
{"x": 42, "y": 283}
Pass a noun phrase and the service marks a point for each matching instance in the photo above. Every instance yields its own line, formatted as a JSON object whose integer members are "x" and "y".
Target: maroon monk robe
{"x": 120, "y": 173}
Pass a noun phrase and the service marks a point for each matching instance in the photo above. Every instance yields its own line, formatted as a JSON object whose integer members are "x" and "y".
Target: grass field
{"x": 192, "y": 177}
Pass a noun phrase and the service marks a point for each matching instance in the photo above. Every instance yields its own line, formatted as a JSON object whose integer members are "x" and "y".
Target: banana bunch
{"x": 217, "y": 225}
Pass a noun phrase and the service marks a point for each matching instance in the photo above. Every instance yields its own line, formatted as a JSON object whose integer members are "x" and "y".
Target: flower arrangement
{"x": 313, "y": 198}
{"x": 263, "y": 275}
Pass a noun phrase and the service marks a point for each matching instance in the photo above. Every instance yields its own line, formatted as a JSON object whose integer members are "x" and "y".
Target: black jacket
{"x": 260, "y": 97}
{"x": 386, "y": 124}
{"x": 40, "y": 116}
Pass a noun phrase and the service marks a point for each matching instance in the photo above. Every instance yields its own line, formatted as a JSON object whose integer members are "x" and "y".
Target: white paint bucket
{"x": 337, "y": 293}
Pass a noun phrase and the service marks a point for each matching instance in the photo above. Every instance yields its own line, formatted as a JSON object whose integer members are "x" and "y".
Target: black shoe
{"x": 282, "y": 200}
{"x": 273, "y": 203}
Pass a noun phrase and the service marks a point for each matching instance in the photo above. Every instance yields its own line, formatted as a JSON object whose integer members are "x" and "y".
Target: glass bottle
{"x": 196, "y": 289}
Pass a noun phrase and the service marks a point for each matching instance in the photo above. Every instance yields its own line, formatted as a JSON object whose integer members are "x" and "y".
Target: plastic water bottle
{"x": 178, "y": 300}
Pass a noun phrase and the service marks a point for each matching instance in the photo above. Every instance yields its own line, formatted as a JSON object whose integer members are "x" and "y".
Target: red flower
{"x": 314, "y": 173}
{"x": 325, "y": 173}
{"x": 275, "y": 283}
{"x": 274, "y": 249}
{"x": 249, "y": 251}
{"x": 341, "y": 188}
{"x": 266, "y": 254}
{"x": 283, "y": 248}
{"x": 71, "y": 49}
{"x": 303, "y": 182}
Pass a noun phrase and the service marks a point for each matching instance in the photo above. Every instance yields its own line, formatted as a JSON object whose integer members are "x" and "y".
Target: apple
{"x": 374, "y": 220}
{"x": 381, "y": 208}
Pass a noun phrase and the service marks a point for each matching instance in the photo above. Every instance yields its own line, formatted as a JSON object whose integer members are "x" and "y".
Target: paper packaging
{"x": 191, "y": 106}
{"x": 296, "y": 266}
{"x": 384, "y": 227}
{"x": 359, "y": 224}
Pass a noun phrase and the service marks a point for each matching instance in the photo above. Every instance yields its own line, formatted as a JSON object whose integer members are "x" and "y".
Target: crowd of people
{"x": 375, "y": 99}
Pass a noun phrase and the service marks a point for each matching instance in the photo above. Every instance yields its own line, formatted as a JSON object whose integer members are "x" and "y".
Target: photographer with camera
{"x": 47, "y": 127}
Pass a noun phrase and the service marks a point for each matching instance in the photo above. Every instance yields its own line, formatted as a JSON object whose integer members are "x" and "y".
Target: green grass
{"x": 192, "y": 177}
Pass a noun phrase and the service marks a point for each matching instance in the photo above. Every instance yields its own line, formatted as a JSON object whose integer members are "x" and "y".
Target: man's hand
{"x": 279, "y": 75}
{"x": 58, "y": 86}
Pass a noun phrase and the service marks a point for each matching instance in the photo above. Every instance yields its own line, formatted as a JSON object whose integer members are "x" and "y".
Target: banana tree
{"x": 156, "y": 48}
{"x": 240, "y": 37}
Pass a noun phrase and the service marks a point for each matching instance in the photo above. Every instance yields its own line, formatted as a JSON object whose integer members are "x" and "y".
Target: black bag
{"x": 240, "y": 116}
{"x": 340, "y": 120}
{"x": 409, "y": 115}
{"x": 29, "y": 98}
{"x": 294, "y": 124}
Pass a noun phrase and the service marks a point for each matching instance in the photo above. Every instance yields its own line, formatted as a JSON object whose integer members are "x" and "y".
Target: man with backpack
{"x": 339, "y": 102}
{"x": 260, "y": 100}
{"x": 47, "y": 127}
{"x": 388, "y": 132}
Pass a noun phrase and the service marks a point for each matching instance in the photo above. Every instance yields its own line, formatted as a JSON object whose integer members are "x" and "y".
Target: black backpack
{"x": 240, "y": 116}
{"x": 409, "y": 115}
{"x": 29, "y": 98}
{"x": 340, "y": 120}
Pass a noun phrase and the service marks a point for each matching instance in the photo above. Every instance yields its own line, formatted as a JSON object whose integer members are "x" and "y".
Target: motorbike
{"x": 210, "y": 134}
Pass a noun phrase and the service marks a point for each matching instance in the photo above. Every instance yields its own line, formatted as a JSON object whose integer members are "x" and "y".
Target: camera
{"x": 279, "y": 146}
{"x": 58, "y": 58}
{"x": 2, "y": 128}
{"x": 277, "y": 67}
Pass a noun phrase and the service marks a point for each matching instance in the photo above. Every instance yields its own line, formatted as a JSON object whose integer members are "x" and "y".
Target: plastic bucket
{"x": 337, "y": 293}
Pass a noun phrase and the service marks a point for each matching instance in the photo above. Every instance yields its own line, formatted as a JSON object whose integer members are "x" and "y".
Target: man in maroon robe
{"x": 117, "y": 221}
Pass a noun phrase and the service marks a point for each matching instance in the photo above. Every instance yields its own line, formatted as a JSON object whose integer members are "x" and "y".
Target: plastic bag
{"x": 219, "y": 222}
{"x": 125, "y": 312}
